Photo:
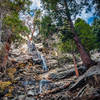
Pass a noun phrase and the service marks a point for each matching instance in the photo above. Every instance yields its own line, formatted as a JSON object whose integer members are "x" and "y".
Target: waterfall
{"x": 43, "y": 83}
{"x": 31, "y": 48}
{"x": 39, "y": 55}
{"x": 28, "y": 45}
{"x": 44, "y": 63}
{"x": 44, "y": 66}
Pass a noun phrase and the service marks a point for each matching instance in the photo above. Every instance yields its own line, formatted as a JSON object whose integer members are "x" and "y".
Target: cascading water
{"x": 43, "y": 83}
{"x": 44, "y": 66}
{"x": 31, "y": 46}
{"x": 39, "y": 55}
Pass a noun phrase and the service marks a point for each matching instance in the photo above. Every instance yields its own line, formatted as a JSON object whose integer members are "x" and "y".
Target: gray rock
{"x": 1, "y": 45}
{"x": 5, "y": 98}
{"x": 21, "y": 97}
{"x": 29, "y": 98}
{"x": 30, "y": 93}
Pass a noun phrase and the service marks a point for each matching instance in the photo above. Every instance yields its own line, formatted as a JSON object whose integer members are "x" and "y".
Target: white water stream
{"x": 44, "y": 66}
{"x": 43, "y": 83}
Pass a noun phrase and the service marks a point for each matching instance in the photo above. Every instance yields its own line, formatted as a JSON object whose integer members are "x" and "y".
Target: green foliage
{"x": 50, "y": 4}
{"x": 61, "y": 18}
{"x": 88, "y": 38}
{"x": 47, "y": 28}
{"x": 11, "y": 21}
{"x": 82, "y": 27}
{"x": 67, "y": 46}
{"x": 59, "y": 15}
{"x": 37, "y": 18}
{"x": 15, "y": 25}
{"x": 15, "y": 5}
{"x": 65, "y": 59}
{"x": 96, "y": 28}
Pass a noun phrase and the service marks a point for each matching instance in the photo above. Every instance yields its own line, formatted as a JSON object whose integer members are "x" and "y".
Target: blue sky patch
{"x": 91, "y": 19}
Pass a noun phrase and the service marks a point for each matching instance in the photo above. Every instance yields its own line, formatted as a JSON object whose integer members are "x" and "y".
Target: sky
{"x": 88, "y": 17}
{"x": 36, "y": 4}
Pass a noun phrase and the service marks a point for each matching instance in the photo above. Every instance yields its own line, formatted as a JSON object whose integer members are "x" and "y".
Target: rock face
{"x": 21, "y": 97}
{"x": 30, "y": 93}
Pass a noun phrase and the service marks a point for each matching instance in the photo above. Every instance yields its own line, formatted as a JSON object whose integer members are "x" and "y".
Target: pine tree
{"x": 60, "y": 11}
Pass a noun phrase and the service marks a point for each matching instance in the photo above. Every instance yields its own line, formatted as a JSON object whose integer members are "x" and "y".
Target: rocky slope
{"x": 27, "y": 79}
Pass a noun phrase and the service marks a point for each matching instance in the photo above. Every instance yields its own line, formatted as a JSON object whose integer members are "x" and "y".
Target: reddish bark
{"x": 84, "y": 55}
{"x": 5, "y": 58}
{"x": 7, "y": 48}
{"x": 75, "y": 65}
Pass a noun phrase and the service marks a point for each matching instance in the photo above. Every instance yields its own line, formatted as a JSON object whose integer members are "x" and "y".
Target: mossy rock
{"x": 4, "y": 85}
{"x": 11, "y": 72}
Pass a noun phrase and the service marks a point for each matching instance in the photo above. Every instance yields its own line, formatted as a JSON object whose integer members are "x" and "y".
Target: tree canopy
{"x": 96, "y": 28}
{"x": 11, "y": 23}
{"x": 88, "y": 38}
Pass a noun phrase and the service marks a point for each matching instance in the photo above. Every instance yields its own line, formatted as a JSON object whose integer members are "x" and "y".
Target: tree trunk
{"x": 84, "y": 55}
{"x": 7, "y": 48}
{"x": 75, "y": 65}
{"x": 5, "y": 59}
{"x": 32, "y": 33}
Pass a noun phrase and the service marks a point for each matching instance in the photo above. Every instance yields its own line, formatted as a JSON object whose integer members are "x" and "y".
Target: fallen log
{"x": 88, "y": 98}
{"x": 66, "y": 74}
{"x": 91, "y": 73}
{"x": 53, "y": 91}
{"x": 81, "y": 92}
{"x": 79, "y": 83}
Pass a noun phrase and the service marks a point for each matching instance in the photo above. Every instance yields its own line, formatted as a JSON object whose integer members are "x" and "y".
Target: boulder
{"x": 21, "y": 97}
{"x": 29, "y": 98}
{"x": 30, "y": 93}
